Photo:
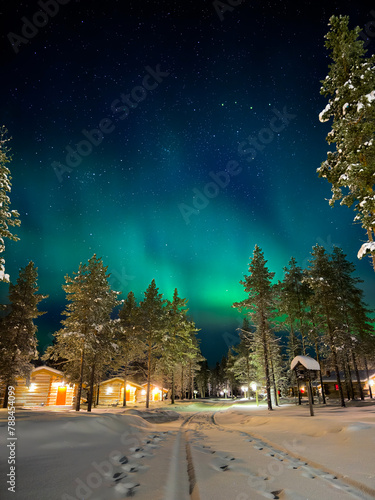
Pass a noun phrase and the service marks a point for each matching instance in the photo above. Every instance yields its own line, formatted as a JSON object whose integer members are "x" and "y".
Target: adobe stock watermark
{"x": 247, "y": 150}
{"x": 222, "y": 7}
{"x": 119, "y": 280}
{"x": 120, "y": 108}
{"x": 368, "y": 31}
{"x": 102, "y": 472}
{"x": 40, "y": 19}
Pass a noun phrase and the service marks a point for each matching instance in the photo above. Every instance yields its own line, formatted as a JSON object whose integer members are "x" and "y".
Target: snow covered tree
{"x": 86, "y": 340}
{"x": 350, "y": 86}
{"x": 8, "y": 218}
{"x": 151, "y": 320}
{"x": 320, "y": 277}
{"x": 293, "y": 295}
{"x": 178, "y": 345}
{"x": 17, "y": 329}
{"x": 127, "y": 338}
{"x": 243, "y": 362}
{"x": 260, "y": 308}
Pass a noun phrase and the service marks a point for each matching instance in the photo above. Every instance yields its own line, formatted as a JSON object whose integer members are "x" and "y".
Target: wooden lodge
{"x": 45, "y": 387}
{"x": 331, "y": 388}
{"x": 111, "y": 392}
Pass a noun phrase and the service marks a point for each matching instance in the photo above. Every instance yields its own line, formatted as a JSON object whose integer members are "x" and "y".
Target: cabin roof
{"x": 306, "y": 362}
{"x": 121, "y": 380}
{"x": 48, "y": 368}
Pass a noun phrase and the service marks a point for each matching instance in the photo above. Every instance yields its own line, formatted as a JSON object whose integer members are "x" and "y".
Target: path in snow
{"x": 241, "y": 454}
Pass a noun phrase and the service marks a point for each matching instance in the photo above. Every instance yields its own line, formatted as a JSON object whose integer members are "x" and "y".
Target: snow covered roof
{"x": 109, "y": 380}
{"x": 306, "y": 361}
{"x": 53, "y": 370}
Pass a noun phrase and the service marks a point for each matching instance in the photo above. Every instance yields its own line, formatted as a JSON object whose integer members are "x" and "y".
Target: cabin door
{"x": 61, "y": 396}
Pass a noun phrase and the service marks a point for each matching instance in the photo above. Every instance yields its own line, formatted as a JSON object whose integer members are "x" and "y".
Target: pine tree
{"x": 8, "y": 218}
{"x": 86, "y": 339}
{"x": 320, "y": 277}
{"x": 260, "y": 307}
{"x": 350, "y": 86}
{"x": 178, "y": 345}
{"x": 293, "y": 296}
{"x": 128, "y": 338}
{"x": 152, "y": 324}
{"x": 18, "y": 340}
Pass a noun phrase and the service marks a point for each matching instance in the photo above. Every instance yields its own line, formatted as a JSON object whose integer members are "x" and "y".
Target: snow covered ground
{"x": 200, "y": 450}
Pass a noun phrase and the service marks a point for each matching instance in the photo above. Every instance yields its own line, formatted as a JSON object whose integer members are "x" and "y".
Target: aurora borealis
{"x": 180, "y": 94}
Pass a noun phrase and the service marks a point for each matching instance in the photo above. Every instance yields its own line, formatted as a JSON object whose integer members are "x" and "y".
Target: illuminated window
{"x": 109, "y": 390}
{"x": 32, "y": 387}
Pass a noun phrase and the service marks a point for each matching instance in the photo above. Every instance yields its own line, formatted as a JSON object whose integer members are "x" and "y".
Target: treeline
{"x": 101, "y": 335}
{"x": 323, "y": 312}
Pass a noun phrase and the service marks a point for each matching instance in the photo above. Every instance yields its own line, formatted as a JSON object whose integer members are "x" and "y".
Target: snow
{"x": 306, "y": 361}
{"x": 325, "y": 110}
{"x": 218, "y": 449}
{"x": 368, "y": 247}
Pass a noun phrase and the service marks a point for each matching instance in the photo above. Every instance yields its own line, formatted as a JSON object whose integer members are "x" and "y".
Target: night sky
{"x": 180, "y": 93}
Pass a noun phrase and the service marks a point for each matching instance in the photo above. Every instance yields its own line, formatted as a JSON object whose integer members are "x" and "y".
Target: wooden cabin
{"x": 331, "y": 388}
{"x": 156, "y": 394}
{"x": 45, "y": 387}
{"x": 111, "y": 392}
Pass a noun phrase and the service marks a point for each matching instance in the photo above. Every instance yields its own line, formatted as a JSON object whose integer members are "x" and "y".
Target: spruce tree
{"x": 178, "y": 345}
{"x": 260, "y": 307}
{"x": 152, "y": 324}
{"x": 86, "y": 339}
{"x": 320, "y": 277}
{"x": 350, "y": 86}
{"x": 8, "y": 218}
{"x": 18, "y": 340}
{"x": 129, "y": 346}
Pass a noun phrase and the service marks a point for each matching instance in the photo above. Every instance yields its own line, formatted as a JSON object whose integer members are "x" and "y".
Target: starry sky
{"x": 169, "y": 138}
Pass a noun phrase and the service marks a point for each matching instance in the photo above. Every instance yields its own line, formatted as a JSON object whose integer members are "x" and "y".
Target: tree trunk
{"x": 182, "y": 382}
{"x": 274, "y": 383}
{"x": 350, "y": 375}
{"x": 97, "y": 393}
{"x": 148, "y": 378}
{"x": 266, "y": 367}
{"x": 347, "y": 386}
{"x": 298, "y": 391}
{"x": 368, "y": 377}
{"x": 173, "y": 388}
{"x": 92, "y": 377}
{"x": 335, "y": 362}
{"x": 79, "y": 391}
{"x": 320, "y": 371}
{"x": 362, "y": 396}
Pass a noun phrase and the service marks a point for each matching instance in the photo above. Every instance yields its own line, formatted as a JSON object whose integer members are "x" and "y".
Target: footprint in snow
{"x": 130, "y": 467}
{"x": 126, "y": 488}
{"x": 118, "y": 476}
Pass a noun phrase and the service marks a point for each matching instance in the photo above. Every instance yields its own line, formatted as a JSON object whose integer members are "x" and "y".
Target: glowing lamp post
{"x": 244, "y": 389}
{"x": 225, "y": 393}
{"x": 254, "y": 387}
{"x": 195, "y": 394}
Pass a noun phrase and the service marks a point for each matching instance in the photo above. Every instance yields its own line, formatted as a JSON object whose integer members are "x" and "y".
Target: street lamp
{"x": 195, "y": 394}
{"x": 255, "y": 389}
{"x": 244, "y": 389}
{"x": 225, "y": 393}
